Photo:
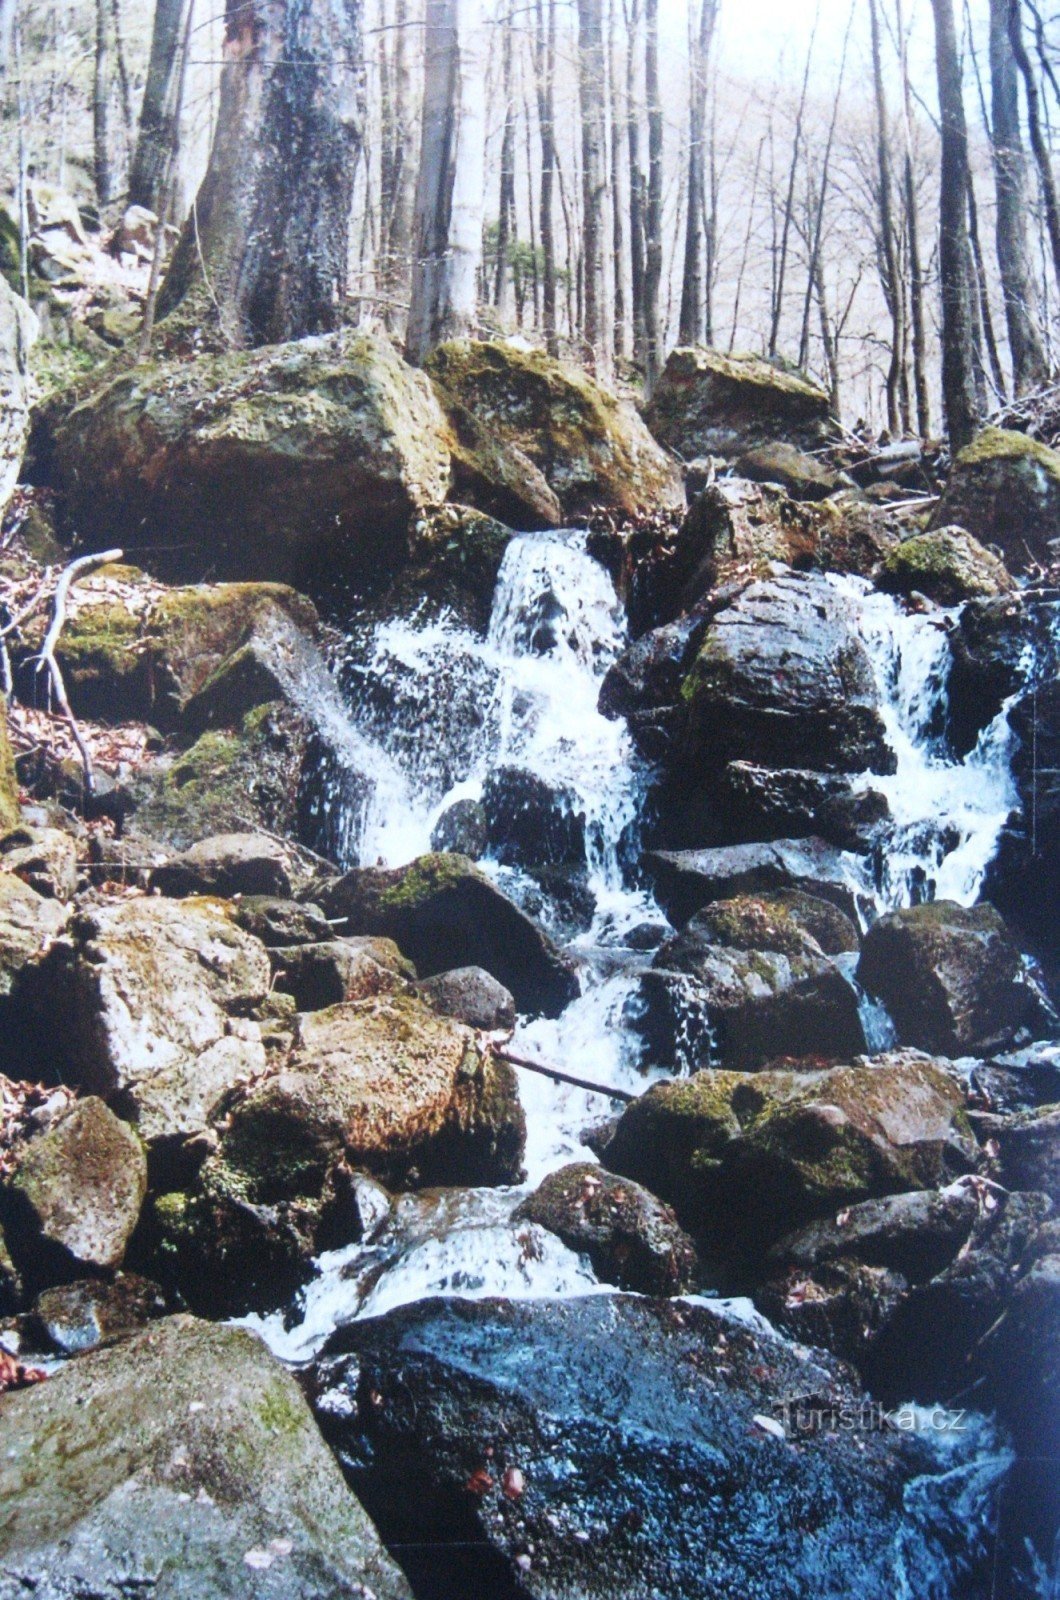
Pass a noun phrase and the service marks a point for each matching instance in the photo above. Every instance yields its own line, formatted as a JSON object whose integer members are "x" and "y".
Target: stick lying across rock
{"x": 546, "y": 1071}
{"x": 46, "y": 658}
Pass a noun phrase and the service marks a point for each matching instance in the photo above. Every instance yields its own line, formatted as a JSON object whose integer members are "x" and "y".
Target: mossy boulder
{"x": 30, "y": 923}
{"x": 744, "y": 1158}
{"x": 443, "y": 912}
{"x": 686, "y": 880}
{"x": 802, "y": 476}
{"x": 950, "y": 976}
{"x": 75, "y": 1195}
{"x": 708, "y": 402}
{"x": 947, "y": 565}
{"x": 587, "y": 448}
{"x": 794, "y": 923}
{"x": 1004, "y": 488}
{"x": 182, "y": 1462}
{"x": 632, "y": 1239}
{"x": 18, "y": 330}
{"x": 268, "y": 464}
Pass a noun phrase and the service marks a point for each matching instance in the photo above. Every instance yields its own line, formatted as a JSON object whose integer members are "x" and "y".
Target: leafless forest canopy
{"x": 650, "y": 174}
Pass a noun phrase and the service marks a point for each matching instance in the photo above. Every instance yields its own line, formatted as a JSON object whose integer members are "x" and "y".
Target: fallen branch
{"x": 546, "y": 1071}
{"x": 46, "y": 658}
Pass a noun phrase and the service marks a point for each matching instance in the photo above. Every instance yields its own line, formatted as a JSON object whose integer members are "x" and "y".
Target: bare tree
{"x": 653, "y": 215}
{"x": 155, "y": 134}
{"x": 502, "y": 291}
{"x": 101, "y": 135}
{"x": 449, "y": 187}
{"x": 597, "y": 329}
{"x": 780, "y": 252}
{"x": 889, "y": 260}
{"x": 1024, "y": 337}
{"x": 912, "y": 224}
{"x": 545, "y": 73}
{"x": 692, "y": 317}
{"x": 636, "y": 183}
{"x": 955, "y": 265}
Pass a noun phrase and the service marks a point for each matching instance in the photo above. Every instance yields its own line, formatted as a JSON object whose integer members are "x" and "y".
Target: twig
{"x": 27, "y": 610}
{"x": 68, "y": 576}
{"x": 516, "y": 1060}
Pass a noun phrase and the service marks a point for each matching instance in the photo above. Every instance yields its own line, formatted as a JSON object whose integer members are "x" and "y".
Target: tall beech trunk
{"x": 502, "y": 288}
{"x": 692, "y": 316}
{"x": 1024, "y": 338}
{"x": 636, "y": 186}
{"x": 447, "y": 233}
{"x": 618, "y": 243}
{"x": 1034, "y": 126}
{"x": 155, "y": 135}
{"x": 653, "y": 216}
{"x": 892, "y": 287}
{"x": 267, "y": 238}
{"x": 596, "y": 327}
{"x": 101, "y": 137}
{"x": 912, "y": 222}
{"x": 955, "y": 257}
{"x": 545, "y": 71}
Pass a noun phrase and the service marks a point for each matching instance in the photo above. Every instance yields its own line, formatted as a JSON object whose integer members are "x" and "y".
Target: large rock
{"x": 782, "y": 679}
{"x": 644, "y": 685}
{"x": 744, "y": 1158}
{"x": 762, "y": 803}
{"x": 269, "y": 463}
{"x": 444, "y": 913}
{"x": 589, "y": 449}
{"x": 623, "y": 1447}
{"x": 710, "y": 403}
{"x": 227, "y": 864}
{"x": 946, "y": 565}
{"x": 29, "y": 923}
{"x": 472, "y": 996}
{"x": 632, "y": 1239}
{"x": 155, "y": 991}
{"x": 1023, "y": 880}
{"x": 999, "y": 647}
{"x": 1005, "y": 489}
{"x": 18, "y": 330}
{"x": 75, "y": 1195}
{"x": 950, "y": 976}
{"x": 687, "y": 880}
{"x": 181, "y": 1463}
{"x": 530, "y": 822}
{"x": 326, "y": 974}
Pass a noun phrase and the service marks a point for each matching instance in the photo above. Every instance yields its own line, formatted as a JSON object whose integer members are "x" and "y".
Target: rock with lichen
{"x": 711, "y": 403}
{"x": 1004, "y": 488}
{"x": 947, "y": 565}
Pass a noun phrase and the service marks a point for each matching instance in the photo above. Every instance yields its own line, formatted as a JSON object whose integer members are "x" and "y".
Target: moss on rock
{"x": 947, "y": 565}
{"x": 1005, "y": 490}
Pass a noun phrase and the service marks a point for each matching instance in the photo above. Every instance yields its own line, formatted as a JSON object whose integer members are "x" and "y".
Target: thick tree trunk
{"x": 653, "y": 240}
{"x": 502, "y": 289}
{"x": 597, "y": 327}
{"x": 912, "y": 222}
{"x": 636, "y": 187}
{"x": 1034, "y": 126}
{"x": 545, "y": 68}
{"x": 892, "y": 288}
{"x": 447, "y": 235}
{"x": 102, "y": 154}
{"x": 691, "y": 320}
{"x": 1024, "y": 337}
{"x": 268, "y": 234}
{"x": 955, "y": 265}
{"x": 155, "y": 135}
{"x": 618, "y": 243}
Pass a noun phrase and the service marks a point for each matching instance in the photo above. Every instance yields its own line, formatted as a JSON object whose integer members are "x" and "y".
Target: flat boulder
{"x": 75, "y": 1195}
{"x": 1004, "y": 488}
{"x": 271, "y": 462}
{"x": 183, "y": 1462}
{"x": 744, "y": 1158}
{"x": 711, "y": 403}
{"x": 45, "y": 858}
{"x": 622, "y": 1446}
{"x": 227, "y": 864}
{"x": 947, "y": 565}
{"x": 687, "y": 880}
{"x": 472, "y": 996}
{"x": 782, "y": 679}
{"x": 803, "y": 476}
{"x": 587, "y": 448}
{"x": 443, "y": 912}
{"x": 762, "y": 803}
{"x": 325, "y": 974}
{"x": 950, "y": 976}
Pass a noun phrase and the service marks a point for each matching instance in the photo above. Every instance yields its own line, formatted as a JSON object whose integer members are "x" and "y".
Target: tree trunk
{"x": 403, "y": 179}
{"x": 545, "y": 70}
{"x": 591, "y": 84}
{"x": 892, "y": 289}
{"x": 1024, "y": 337}
{"x": 502, "y": 292}
{"x": 268, "y": 234}
{"x": 986, "y": 319}
{"x": 955, "y": 266}
{"x": 691, "y": 319}
{"x": 618, "y": 243}
{"x": 7, "y": 34}
{"x": 155, "y": 133}
{"x": 780, "y": 262}
{"x": 912, "y": 223}
{"x": 636, "y": 187}
{"x": 449, "y": 197}
{"x": 104, "y": 170}
{"x": 1034, "y": 125}
{"x": 653, "y": 240}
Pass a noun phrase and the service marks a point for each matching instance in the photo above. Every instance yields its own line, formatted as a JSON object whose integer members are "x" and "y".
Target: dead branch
{"x": 46, "y": 658}
{"x": 516, "y": 1060}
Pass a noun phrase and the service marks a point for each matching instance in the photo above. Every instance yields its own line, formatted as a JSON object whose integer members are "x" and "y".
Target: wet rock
{"x": 79, "y": 1316}
{"x": 762, "y": 803}
{"x": 456, "y": 555}
{"x": 154, "y": 991}
{"x": 804, "y": 477}
{"x": 947, "y": 565}
{"x": 709, "y": 403}
{"x": 744, "y": 1158}
{"x": 999, "y": 647}
{"x": 45, "y": 858}
{"x": 591, "y": 449}
{"x": 75, "y": 1195}
{"x": 530, "y": 822}
{"x": 782, "y": 679}
{"x": 632, "y": 1239}
{"x": 273, "y": 462}
{"x": 950, "y": 977}
{"x": 618, "y": 1446}
{"x": 1005, "y": 489}
{"x": 838, "y": 1305}
{"x": 461, "y": 829}
{"x": 279, "y": 922}
{"x": 794, "y": 923}
{"x": 1019, "y": 1080}
{"x": 321, "y": 975}
{"x": 1021, "y": 1360}
{"x": 644, "y": 685}
{"x": 1029, "y": 1149}
{"x": 227, "y": 864}
{"x": 687, "y": 880}
{"x": 915, "y": 1234}
{"x": 18, "y": 331}
{"x": 1023, "y": 879}
{"x": 470, "y": 995}
{"x": 444, "y": 913}
{"x": 184, "y": 1462}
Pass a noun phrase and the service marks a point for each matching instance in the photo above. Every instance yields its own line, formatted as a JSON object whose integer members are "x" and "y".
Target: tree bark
{"x": 955, "y": 267}
{"x": 449, "y": 186}
{"x": 545, "y": 70}
{"x": 912, "y": 223}
{"x": 502, "y": 290}
{"x": 653, "y": 240}
{"x": 597, "y": 329}
{"x": 1034, "y": 126}
{"x": 268, "y": 234}
{"x": 618, "y": 243}
{"x": 636, "y": 187}
{"x": 1024, "y": 337}
{"x": 892, "y": 289}
{"x": 155, "y": 134}
{"x": 780, "y": 261}
{"x": 102, "y": 154}
{"x": 692, "y": 316}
